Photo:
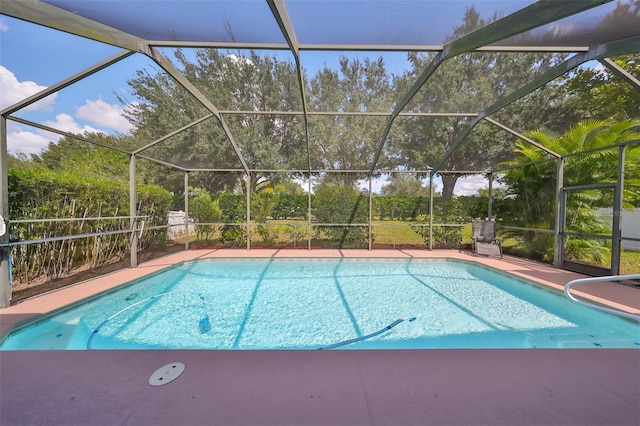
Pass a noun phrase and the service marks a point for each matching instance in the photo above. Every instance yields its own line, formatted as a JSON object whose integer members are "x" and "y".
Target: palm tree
{"x": 533, "y": 185}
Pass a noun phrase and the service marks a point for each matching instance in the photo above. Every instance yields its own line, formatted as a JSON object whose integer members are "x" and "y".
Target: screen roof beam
{"x": 620, "y": 72}
{"x": 50, "y": 16}
{"x": 166, "y": 65}
{"x": 355, "y": 47}
{"x": 66, "y": 82}
{"x": 530, "y": 17}
{"x": 67, "y": 134}
{"x": 616, "y": 48}
{"x": 281, "y": 15}
{"x": 523, "y": 137}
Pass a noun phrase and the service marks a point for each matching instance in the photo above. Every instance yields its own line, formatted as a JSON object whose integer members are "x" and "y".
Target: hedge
{"x": 42, "y": 194}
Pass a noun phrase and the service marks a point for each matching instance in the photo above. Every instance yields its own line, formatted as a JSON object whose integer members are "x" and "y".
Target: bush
{"x": 42, "y": 194}
{"x": 457, "y": 210}
{"x": 341, "y": 205}
{"x": 233, "y": 206}
{"x": 233, "y": 235}
{"x": 262, "y": 205}
{"x": 291, "y": 206}
{"x": 399, "y": 208}
{"x": 206, "y": 212}
{"x": 443, "y": 236}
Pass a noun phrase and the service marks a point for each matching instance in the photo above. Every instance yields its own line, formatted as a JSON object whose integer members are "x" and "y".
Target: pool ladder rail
{"x": 628, "y": 315}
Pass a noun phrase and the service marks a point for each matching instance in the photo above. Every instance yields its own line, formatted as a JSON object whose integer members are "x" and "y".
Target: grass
{"x": 395, "y": 233}
{"x": 630, "y": 262}
{"x": 391, "y": 233}
{"x": 385, "y": 233}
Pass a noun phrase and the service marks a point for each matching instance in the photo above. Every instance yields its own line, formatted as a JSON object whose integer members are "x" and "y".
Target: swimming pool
{"x": 326, "y": 303}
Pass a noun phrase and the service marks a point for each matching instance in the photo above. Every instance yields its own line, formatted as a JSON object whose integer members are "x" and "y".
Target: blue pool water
{"x": 312, "y": 304}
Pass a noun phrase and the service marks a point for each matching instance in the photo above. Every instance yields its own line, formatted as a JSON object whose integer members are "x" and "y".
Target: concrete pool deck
{"x": 403, "y": 387}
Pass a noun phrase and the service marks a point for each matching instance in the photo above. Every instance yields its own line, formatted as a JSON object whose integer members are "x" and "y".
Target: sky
{"x": 34, "y": 57}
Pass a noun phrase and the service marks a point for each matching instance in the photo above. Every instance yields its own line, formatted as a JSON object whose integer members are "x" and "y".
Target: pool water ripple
{"x": 312, "y": 303}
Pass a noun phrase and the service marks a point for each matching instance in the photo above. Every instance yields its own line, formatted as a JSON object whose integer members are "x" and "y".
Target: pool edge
{"x": 39, "y": 307}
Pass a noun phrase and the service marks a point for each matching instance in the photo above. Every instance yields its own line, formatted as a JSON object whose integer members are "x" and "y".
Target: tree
{"x": 347, "y": 142}
{"x": 533, "y": 185}
{"x": 288, "y": 186}
{"x": 342, "y": 205}
{"x": 596, "y": 93}
{"x": 232, "y": 81}
{"x": 467, "y": 83}
{"x": 404, "y": 185}
{"x": 206, "y": 211}
{"x": 81, "y": 158}
{"x": 19, "y": 161}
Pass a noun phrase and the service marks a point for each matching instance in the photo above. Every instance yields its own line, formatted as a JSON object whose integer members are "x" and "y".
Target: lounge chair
{"x": 484, "y": 239}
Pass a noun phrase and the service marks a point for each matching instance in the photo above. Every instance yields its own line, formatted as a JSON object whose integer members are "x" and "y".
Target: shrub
{"x": 43, "y": 194}
{"x": 291, "y": 206}
{"x": 399, "y": 208}
{"x": 457, "y": 210}
{"x": 206, "y": 212}
{"x": 342, "y": 205}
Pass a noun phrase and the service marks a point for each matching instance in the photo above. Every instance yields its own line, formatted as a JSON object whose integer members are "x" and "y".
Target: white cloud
{"x": 471, "y": 184}
{"x": 14, "y": 91}
{"x": 32, "y": 142}
{"x": 3, "y": 26}
{"x": 104, "y": 114}
{"x": 67, "y": 123}
{"x": 20, "y": 140}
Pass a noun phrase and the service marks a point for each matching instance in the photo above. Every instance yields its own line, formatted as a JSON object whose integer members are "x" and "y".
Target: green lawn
{"x": 392, "y": 233}
{"x": 386, "y": 233}
{"x": 630, "y": 262}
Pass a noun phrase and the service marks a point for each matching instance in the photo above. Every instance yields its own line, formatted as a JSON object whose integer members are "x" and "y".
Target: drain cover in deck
{"x": 166, "y": 374}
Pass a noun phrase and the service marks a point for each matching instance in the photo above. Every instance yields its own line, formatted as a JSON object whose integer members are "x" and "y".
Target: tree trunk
{"x": 448, "y": 184}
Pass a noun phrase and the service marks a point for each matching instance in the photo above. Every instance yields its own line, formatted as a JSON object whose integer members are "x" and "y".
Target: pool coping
{"x": 356, "y": 387}
{"x": 613, "y": 295}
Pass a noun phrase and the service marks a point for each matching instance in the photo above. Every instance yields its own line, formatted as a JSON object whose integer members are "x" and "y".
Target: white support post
{"x": 248, "y": 185}
{"x": 489, "y": 204}
{"x": 5, "y": 285}
{"x": 430, "y": 211}
{"x": 370, "y": 215}
{"x": 616, "y": 237}
{"x": 133, "y": 211}
{"x": 186, "y": 210}
{"x": 558, "y": 252}
{"x": 309, "y": 213}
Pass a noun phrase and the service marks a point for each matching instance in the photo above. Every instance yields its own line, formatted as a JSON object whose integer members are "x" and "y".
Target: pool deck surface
{"x": 400, "y": 387}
